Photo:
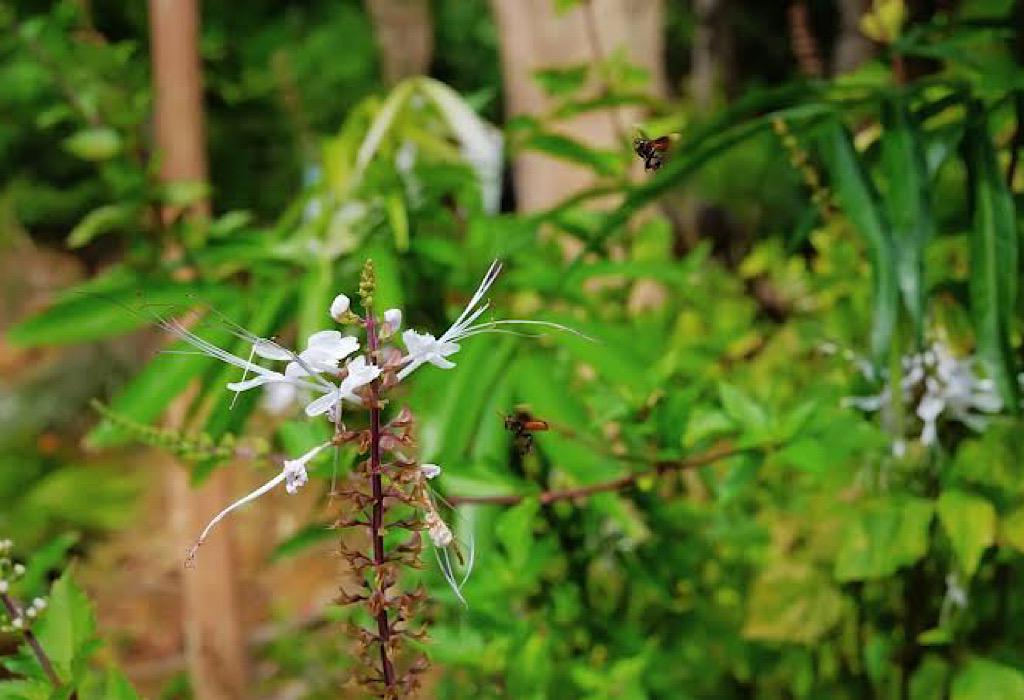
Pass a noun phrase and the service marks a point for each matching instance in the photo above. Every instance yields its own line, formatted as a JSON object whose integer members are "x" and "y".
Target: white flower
{"x": 293, "y": 473}
{"x": 430, "y": 471}
{"x": 943, "y": 386}
{"x": 17, "y": 623}
{"x": 19, "y": 570}
{"x": 4, "y": 586}
{"x": 424, "y": 348}
{"x": 339, "y": 307}
{"x": 360, "y": 373}
{"x": 39, "y": 603}
{"x": 392, "y": 322}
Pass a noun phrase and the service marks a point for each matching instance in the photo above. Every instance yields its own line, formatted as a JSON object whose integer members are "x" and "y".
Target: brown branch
{"x": 15, "y": 612}
{"x": 623, "y": 482}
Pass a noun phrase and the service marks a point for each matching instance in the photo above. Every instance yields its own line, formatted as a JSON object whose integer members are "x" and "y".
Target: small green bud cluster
{"x": 13, "y": 618}
{"x": 367, "y": 284}
{"x": 193, "y": 448}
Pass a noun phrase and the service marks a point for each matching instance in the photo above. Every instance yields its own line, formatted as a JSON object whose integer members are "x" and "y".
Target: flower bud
{"x": 430, "y": 470}
{"x": 392, "y": 322}
{"x": 339, "y": 307}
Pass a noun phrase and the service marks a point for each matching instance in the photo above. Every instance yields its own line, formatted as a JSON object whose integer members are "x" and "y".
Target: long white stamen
{"x": 245, "y": 374}
{"x": 191, "y": 555}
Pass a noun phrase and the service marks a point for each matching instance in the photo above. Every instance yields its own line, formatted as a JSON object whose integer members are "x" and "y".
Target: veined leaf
{"x": 982, "y": 679}
{"x": 994, "y": 259}
{"x": 859, "y": 200}
{"x": 908, "y": 204}
{"x": 68, "y": 626}
{"x": 970, "y": 523}
{"x": 886, "y": 535}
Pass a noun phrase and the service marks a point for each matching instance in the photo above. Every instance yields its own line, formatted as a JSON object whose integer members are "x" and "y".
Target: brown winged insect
{"x": 653, "y": 151}
{"x": 523, "y": 425}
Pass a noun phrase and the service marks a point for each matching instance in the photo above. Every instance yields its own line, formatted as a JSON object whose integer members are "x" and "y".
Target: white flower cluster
{"x": 324, "y": 371}
{"x": 12, "y": 616}
{"x": 936, "y": 385}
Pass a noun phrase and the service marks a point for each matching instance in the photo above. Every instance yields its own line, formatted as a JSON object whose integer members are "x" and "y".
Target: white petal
{"x": 323, "y": 404}
{"x": 270, "y": 350}
{"x": 339, "y": 306}
{"x": 322, "y": 337}
{"x": 417, "y": 343}
{"x": 430, "y": 470}
{"x": 256, "y": 381}
{"x": 439, "y": 361}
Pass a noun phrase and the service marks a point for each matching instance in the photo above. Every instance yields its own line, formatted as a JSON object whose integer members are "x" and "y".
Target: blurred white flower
{"x": 936, "y": 385}
{"x": 430, "y": 471}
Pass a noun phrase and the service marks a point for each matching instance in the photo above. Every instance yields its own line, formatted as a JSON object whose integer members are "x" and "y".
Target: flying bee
{"x": 653, "y": 151}
{"x": 523, "y": 425}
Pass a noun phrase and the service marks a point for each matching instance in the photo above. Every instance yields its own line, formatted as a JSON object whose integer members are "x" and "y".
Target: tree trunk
{"x": 852, "y": 47}
{"x": 405, "y": 37}
{"x": 708, "y": 55}
{"x": 533, "y": 36}
{"x": 214, "y": 639}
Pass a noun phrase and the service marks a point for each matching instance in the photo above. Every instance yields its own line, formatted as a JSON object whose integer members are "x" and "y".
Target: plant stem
{"x": 618, "y": 484}
{"x": 15, "y": 612}
{"x": 376, "y": 522}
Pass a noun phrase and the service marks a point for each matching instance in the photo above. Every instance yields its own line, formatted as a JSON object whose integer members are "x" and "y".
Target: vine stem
{"x": 377, "y": 520}
{"x": 618, "y": 484}
{"x": 15, "y": 612}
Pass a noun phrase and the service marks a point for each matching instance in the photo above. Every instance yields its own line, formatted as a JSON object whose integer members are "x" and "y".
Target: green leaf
{"x": 982, "y": 679}
{"x": 99, "y": 143}
{"x": 994, "y": 259}
{"x": 739, "y": 406}
{"x": 970, "y": 523}
{"x": 859, "y": 201}
{"x": 909, "y": 204}
{"x": 562, "y": 81}
{"x": 792, "y": 603}
{"x": 398, "y": 218}
{"x": 514, "y": 529}
{"x": 45, "y": 559}
{"x": 87, "y": 316}
{"x": 25, "y": 689}
{"x": 1011, "y": 530}
{"x": 100, "y": 221}
{"x": 929, "y": 679}
{"x": 152, "y": 390}
{"x": 87, "y": 497}
{"x": 67, "y": 628}
{"x": 602, "y": 162}
{"x": 883, "y": 536}
{"x": 307, "y": 537}
{"x": 184, "y": 193}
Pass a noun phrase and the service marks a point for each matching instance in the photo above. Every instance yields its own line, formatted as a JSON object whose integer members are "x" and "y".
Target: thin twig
{"x": 14, "y": 611}
{"x": 623, "y": 482}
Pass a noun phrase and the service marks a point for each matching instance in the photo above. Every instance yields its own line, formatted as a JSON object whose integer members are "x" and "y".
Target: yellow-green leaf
{"x": 970, "y": 522}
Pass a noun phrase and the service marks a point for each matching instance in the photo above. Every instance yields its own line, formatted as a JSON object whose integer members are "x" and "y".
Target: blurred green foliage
{"x": 838, "y": 554}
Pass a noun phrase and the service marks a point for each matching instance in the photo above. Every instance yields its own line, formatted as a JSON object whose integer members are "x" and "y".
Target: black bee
{"x": 523, "y": 425}
{"x": 653, "y": 151}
